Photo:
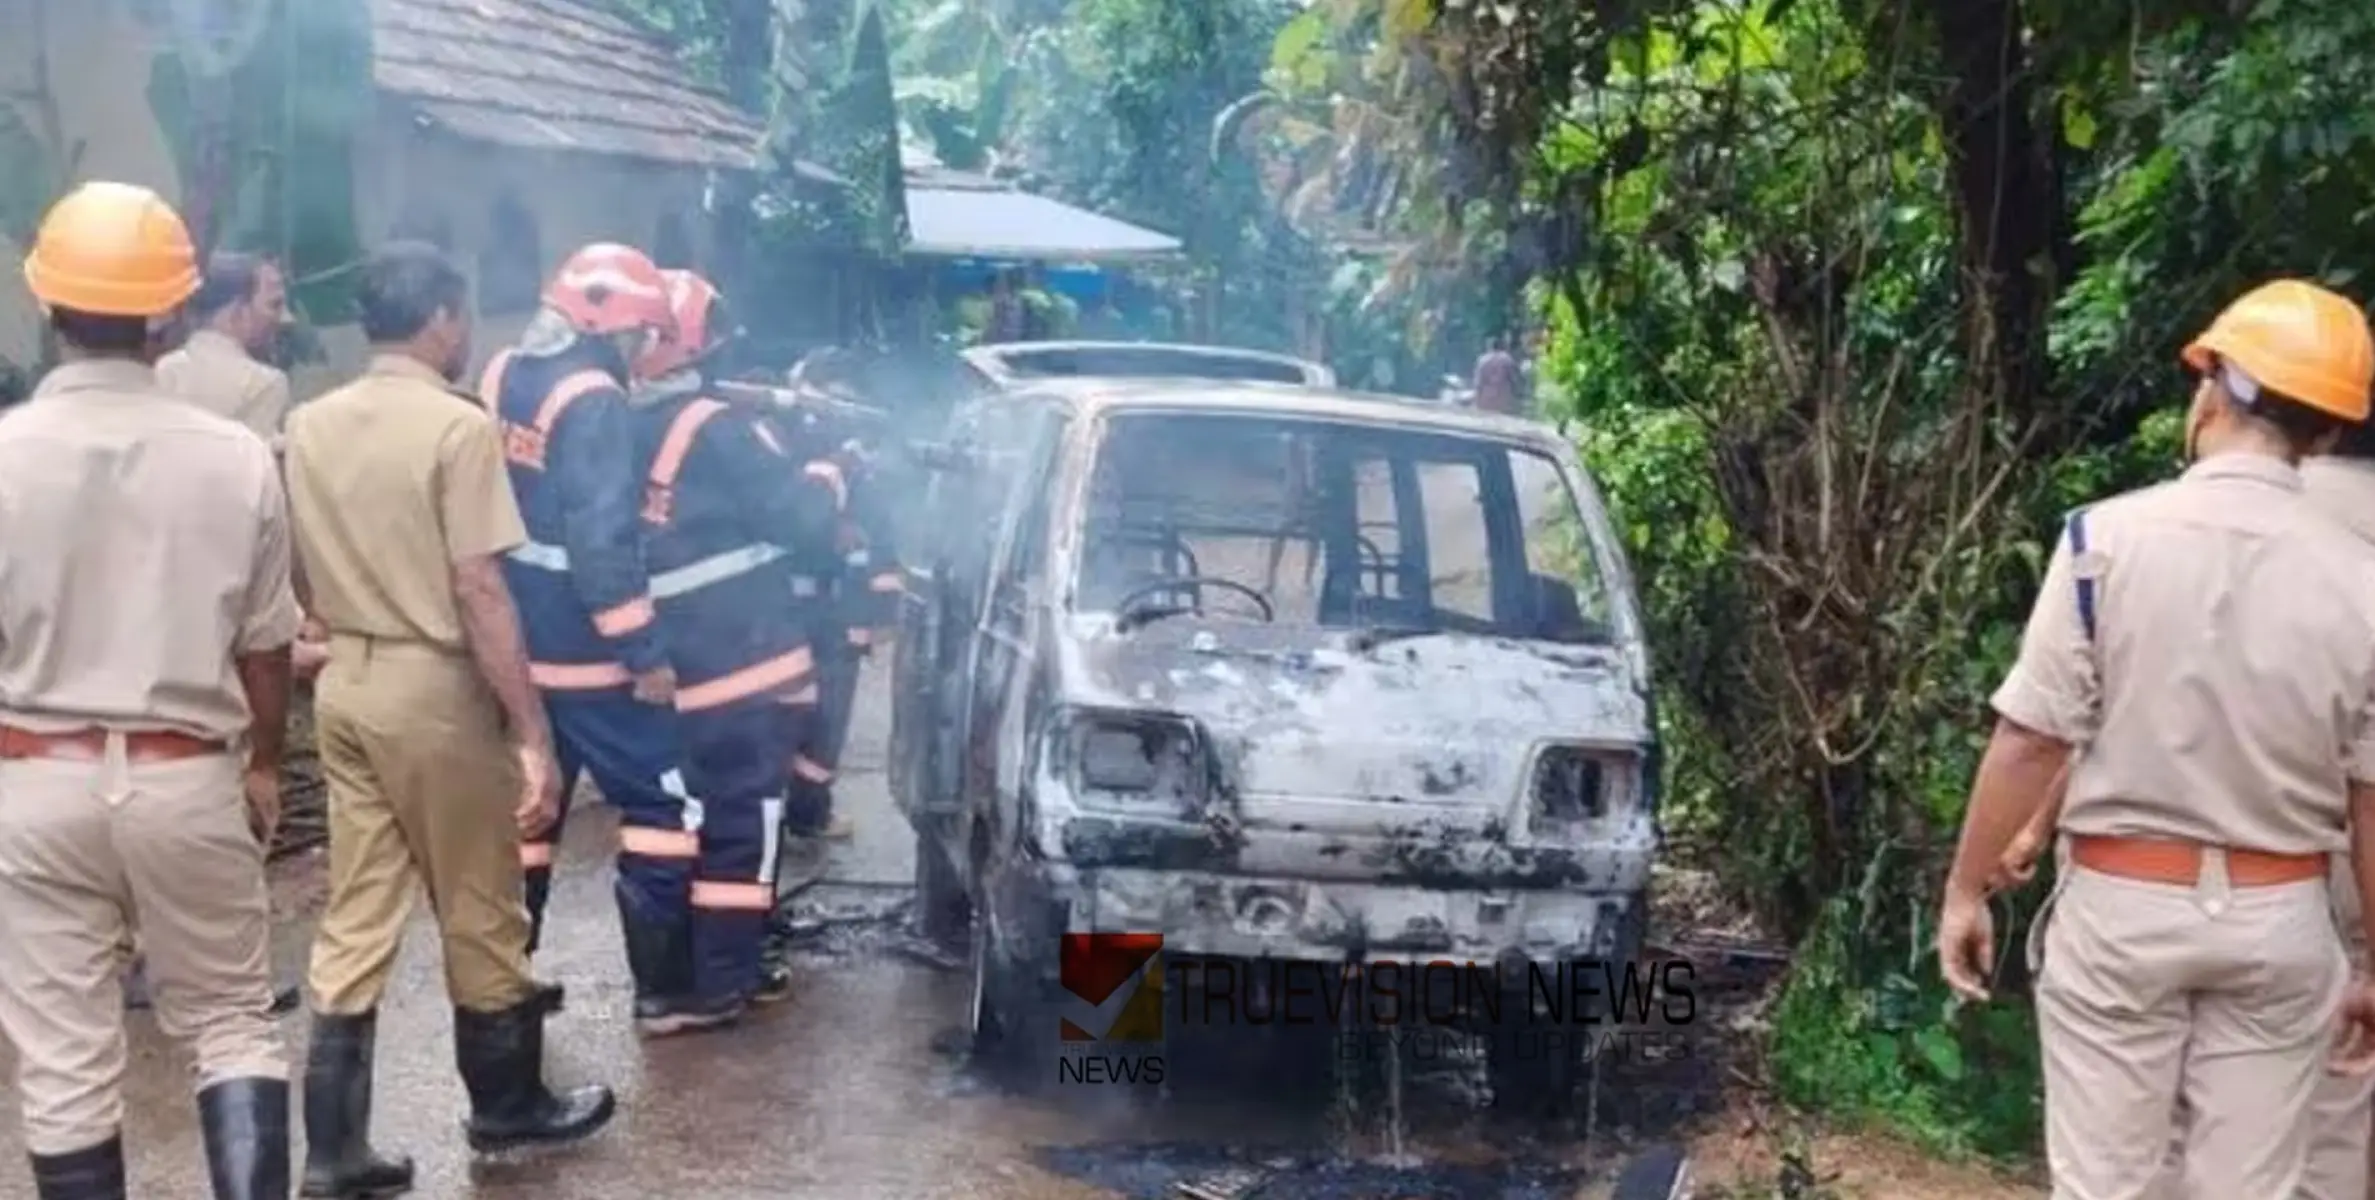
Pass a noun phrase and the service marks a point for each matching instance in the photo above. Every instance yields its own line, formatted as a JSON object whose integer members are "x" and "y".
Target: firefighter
{"x": 850, "y": 594}
{"x": 2206, "y": 643}
{"x": 727, "y": 516}
{"x": 145, "y": 622}
{"x": 593, "y": 635}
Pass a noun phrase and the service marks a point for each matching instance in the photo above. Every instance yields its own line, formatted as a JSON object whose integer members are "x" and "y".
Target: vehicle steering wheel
{"x": 1199, "y": 583}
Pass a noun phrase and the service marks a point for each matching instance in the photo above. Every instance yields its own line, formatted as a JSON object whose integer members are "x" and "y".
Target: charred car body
{"x": 1275, "y": 671}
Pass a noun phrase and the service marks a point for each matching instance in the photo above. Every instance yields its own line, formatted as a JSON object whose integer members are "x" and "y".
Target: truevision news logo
{"x": 1121, "y": 998}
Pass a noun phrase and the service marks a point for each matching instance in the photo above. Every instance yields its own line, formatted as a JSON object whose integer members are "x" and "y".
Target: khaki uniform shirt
{"x": 217, "y": 374}
{"x": 393, "y": 479}
{"x": 2225, "y": 698}
{"x": 148, "y": 543}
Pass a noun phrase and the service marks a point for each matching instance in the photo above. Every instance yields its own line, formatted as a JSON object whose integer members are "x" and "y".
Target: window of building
{"x": 511, "y": 266}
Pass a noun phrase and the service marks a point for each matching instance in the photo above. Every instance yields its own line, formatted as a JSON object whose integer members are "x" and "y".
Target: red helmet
{"x": 607, "y": 288}
{"x": 696, "y": 311}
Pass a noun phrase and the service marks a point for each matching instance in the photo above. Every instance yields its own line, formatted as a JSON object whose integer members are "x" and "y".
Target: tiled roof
{"x": 554, "y": 75}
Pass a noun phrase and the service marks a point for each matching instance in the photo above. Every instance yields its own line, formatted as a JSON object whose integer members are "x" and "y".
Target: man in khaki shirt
{"x": 2342, "y": 1119}
{"x": 239, "y": 311}
{"x": 145, "y": 622}
{"x": 2201, "y": 661}
{"x": 432, "y": 739}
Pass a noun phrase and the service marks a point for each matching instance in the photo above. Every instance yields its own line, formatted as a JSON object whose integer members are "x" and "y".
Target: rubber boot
{"x": 93, "y": 1173}
{"x": 246, "y": 1126}
{"x": 501, "y": 1056}
{"x": 660, "y": 957}
{"x": 339, "y": 1161}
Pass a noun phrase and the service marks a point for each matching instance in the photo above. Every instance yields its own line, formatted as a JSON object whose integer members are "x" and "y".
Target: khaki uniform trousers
{"x": 2150, "y": 995}
{"x": 422, "y": 787}
{"x": 2341, "y": 1113}
{"x": 87, "y": 851}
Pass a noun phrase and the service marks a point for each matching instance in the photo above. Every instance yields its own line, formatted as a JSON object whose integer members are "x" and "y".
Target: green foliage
{"x": 1775, "y": 341}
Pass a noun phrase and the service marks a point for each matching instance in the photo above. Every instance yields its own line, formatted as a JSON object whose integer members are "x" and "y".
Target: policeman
{"x": 593, "y": 641}
{"x": 240, "y": 309}
{"x": 727, "y": 517}
{"x": 432, "y": 739}
{"x": 2342, "y": 1116}
{"x": 2207, "y": 643}
{"x": 145, "y": 622}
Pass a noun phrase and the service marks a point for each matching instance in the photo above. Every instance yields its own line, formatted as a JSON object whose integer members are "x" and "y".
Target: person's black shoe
{"x": 339, "y": 1161}
{"x": 551, "y": 998}
{"x": 659, "y": 1018}
{"x": 501, "y": 1056}
{"x": 286, "y": 1000}
{"x": 93, "y": 1173}
{"x": 246, "y": 1126}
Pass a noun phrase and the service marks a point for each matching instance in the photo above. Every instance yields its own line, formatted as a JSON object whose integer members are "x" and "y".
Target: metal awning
{"x": 1003, "y": 223}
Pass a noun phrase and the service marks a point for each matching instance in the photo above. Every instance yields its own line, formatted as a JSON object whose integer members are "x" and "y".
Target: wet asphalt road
{"x": 853, "y": 1090}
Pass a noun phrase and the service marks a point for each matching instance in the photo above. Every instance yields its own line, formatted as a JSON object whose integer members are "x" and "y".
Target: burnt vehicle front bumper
{"x": 1304, "y": 896}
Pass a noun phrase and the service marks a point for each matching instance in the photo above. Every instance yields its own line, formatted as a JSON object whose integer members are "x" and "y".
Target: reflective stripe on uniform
{"x": 577, "y": 677}
{"x": 806, "y": 586}
{"x": 524, "y": 445}
{"x": 887, "y": 582}
{"x": 659, "y": 497}
{"x": 830, "y": 475}
{"x": 717, "y": 568}
{"x": 540, "y": 555}
{"x": 658, "y": 843}
{"x": 619, "y": 620}
{"x": 733, "y": 897}
{"x": 490, "y": 382}
{"x": 758, "y": 678}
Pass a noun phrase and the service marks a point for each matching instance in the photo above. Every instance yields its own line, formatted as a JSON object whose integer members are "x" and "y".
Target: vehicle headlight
{"x": 1574, "y": 787}
{"x": 1135, "y": 762}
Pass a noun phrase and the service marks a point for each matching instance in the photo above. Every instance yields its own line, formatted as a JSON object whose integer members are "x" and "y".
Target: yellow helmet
{"x": 112, "y": 249}
{"x": 2299, "y": 340}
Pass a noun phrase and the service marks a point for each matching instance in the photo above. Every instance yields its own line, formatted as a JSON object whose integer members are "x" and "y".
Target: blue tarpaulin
{"x": 1006, "y": 224}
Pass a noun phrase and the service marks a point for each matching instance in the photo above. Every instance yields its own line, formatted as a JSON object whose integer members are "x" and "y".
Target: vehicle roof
{"x": 1093, "y": 397}
{"x": 994, "y": 358}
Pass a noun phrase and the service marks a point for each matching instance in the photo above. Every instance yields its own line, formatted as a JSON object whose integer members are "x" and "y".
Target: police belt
{"x": 717, "y": 568}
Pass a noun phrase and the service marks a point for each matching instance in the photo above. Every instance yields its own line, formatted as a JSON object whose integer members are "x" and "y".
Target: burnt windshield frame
{"x": 1340, "y": 556}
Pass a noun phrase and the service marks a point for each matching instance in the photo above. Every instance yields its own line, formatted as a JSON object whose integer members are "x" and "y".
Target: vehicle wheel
{"x": 942, "y": 908}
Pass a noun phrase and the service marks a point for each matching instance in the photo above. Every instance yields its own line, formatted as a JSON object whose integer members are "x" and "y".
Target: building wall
{"x": 416, "y": 182}
{"x": 98, "y": 67}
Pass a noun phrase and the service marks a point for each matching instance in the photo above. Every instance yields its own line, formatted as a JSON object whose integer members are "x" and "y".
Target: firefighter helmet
{"x": 697, "y": 326}
{"x": 112, "y": 250}
{"x": 607, "y": 288}
{"x": 2298, "y": 340}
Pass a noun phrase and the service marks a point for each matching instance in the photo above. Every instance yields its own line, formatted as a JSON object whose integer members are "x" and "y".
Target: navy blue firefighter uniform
{"x": 584, "y": 600}
{"x": 729, "y": 520}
